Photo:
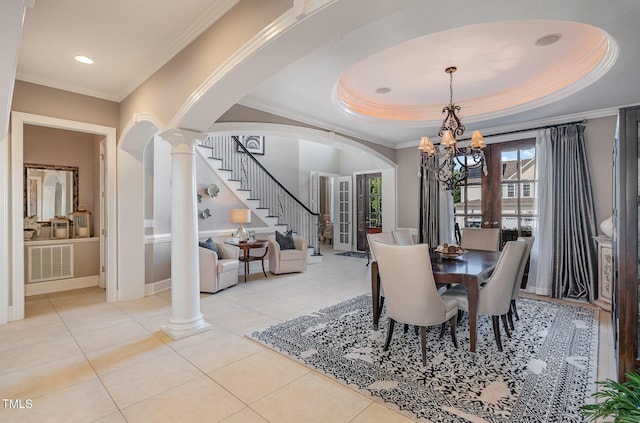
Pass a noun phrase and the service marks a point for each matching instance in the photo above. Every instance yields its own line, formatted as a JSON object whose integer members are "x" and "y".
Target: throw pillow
{"x": 285, "y": 240}
{"x": 210, "y": 245}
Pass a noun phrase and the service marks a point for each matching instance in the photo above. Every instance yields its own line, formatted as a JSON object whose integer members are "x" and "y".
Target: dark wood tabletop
{"x": 471, "y": 263}
{"x": 467, "y": 269}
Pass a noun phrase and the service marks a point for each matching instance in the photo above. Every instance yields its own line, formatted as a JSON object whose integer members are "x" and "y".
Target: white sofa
{"x": 218, "y": 273}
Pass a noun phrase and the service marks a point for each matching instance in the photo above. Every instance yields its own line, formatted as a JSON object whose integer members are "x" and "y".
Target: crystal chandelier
{"x": 449, "y": 163}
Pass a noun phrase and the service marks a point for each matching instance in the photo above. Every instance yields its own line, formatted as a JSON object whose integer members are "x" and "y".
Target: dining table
{"x": 468, "y": 269}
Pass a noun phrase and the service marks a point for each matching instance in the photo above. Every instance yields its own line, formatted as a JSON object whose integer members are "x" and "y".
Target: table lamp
{"x": 241, "y": 216}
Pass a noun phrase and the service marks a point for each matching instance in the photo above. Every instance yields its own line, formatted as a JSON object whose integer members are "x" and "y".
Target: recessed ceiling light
{"x": 548, "y": 40}
{"x": 383, "y": 90}
{"x": 84, "y": 59}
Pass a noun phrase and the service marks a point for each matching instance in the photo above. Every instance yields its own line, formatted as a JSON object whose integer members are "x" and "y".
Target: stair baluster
{"x": 262, "y": 186}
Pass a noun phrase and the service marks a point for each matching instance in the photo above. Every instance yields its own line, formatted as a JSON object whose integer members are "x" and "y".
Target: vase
{"x": 606, "y": 226}
{"x": 28, "y": 234}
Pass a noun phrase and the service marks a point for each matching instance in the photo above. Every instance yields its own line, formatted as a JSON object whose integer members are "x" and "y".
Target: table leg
{"x": 472, "y": 292}
{"x": 266, "y": 250}
{"x": 246, "y": 264}
{"x": 375, "y": 293}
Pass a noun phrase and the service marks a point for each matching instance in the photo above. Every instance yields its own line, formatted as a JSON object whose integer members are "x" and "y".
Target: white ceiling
{"x": 129, "y": 40}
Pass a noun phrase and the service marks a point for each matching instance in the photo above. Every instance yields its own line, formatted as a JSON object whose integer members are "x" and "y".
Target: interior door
{"x": 314, "y": 191}
{"x": 101, "y": 223}
{"x": 343, "y": 228}
{"x": 368, "y": 206}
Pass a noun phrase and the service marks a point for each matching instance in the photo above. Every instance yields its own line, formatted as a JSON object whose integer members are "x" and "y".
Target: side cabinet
{"x": 605, "y": 272}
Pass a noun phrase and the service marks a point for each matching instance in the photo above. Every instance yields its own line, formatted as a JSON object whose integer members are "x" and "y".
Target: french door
{"x": 368, "y": 207}
{"x": 504, "y": 198}
{"x": 342, "y": 230}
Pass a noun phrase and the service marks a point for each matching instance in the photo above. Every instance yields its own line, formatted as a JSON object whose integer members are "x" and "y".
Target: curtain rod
{"x": 529, "y": 129}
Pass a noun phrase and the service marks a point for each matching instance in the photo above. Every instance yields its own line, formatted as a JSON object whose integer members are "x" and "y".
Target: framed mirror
{"x": 50, "y": 191}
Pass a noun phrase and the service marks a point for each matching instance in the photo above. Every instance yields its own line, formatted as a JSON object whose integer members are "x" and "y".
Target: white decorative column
{"x": 186, "y": 318}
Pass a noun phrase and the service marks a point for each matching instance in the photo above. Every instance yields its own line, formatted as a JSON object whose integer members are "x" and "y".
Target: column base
{"x": 179, "y": 330}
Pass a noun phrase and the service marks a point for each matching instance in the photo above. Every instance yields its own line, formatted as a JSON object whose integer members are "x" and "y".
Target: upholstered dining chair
{"x": 494, "y": 297}
{"x": 402, "y": 237}
{"x": 367, "y": 248}
{"x": 487, "y": 239}
{"x": 385, "y": 238}
{"x": 513, "y": 311}
{"x": 410, "y": 289}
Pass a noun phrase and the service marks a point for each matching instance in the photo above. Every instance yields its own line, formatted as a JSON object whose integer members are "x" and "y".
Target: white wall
{"x": 600, "y": 137}
{"x": 314, "y": 156}
{"x": 281, "y": 160}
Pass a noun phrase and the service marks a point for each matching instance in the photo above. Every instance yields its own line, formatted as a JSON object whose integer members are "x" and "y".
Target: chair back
{"x": 383, "y": 237}
{"x": 487, "y": 239}
{"x": 523, "y": 264}
{"x": 402, "y": 237}
{"x": 495, "y": 296}
{"x": 409, "y": 287}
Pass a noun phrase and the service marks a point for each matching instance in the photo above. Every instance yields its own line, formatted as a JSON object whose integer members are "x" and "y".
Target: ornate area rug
{"x": 358, "y": 254}
{"x": 545, "y": 374}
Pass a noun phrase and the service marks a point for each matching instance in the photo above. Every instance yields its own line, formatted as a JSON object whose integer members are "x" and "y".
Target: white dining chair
{"x": 402, "y": 237}
{"x": 410, "y": 291}
{"x": 513, "y": 311}
{"x": 494, "y": 297}
{"x": 486, "y": 239}
{"x": 385, "y": 238}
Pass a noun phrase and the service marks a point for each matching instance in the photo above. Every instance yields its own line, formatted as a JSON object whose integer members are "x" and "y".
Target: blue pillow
{"x": 285, "y": 240}
{"x": 210, "y": 245}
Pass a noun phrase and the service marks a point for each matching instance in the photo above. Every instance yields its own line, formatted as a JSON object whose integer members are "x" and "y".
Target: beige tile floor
{"x": 79, "y": 359}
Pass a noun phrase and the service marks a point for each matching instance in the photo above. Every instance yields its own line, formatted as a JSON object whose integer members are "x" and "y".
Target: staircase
{"x": 267, "y": 197}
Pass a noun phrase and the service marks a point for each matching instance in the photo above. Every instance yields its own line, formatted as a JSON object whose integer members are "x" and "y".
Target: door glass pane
{"x": 528, "y": 226}
{"x": 528, "y": 164}
{"x": 528, "y": 197}
{"x": 518, "y": 190}
{"x": 375, "y": 202}
{"x": 509, "y": 228}
{"x": 510, "y": 193}
{"x": 467, "y": 200}
{"x": 509, "y": 165}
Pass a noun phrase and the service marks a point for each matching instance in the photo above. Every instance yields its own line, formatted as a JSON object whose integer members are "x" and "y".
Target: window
{"x": 506, "y": 197}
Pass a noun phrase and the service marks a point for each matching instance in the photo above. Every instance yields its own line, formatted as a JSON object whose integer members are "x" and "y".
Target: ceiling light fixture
{"x": 547, "y": 40}
{"x": 84, "y": 59}
{"x": 451, "y": 165}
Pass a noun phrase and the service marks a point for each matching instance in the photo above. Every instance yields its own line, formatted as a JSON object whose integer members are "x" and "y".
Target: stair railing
{"x": 265, "y": 188}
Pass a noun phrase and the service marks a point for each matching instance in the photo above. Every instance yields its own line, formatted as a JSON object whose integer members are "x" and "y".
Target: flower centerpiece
{"x": 31, "y": 226}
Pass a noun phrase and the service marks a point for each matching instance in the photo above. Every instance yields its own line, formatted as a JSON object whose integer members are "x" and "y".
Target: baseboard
{"x": 48, "y": 287}
{"x": 155, "y": 287}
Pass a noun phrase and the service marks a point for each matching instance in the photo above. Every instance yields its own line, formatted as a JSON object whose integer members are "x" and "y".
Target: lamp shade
{"x": 424, "y": 144}
{"x": 447, "y": 139}
{"x": 240, "y": 216}
{"x": 477, "y": 140}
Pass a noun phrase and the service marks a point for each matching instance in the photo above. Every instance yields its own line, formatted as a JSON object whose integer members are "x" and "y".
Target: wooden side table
{"x": 246, "y": 247}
